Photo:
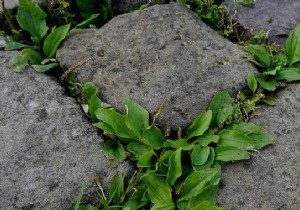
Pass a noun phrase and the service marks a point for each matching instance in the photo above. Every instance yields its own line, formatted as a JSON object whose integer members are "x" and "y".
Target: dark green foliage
{"x": 182, "y": 173}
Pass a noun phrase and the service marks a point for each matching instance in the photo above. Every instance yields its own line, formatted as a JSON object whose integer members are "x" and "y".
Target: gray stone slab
{"x": 164, "y": 53}
{"x": 48, "y": 146}
{"x": 271, "y": 179}
{"x": 278, "y": 17}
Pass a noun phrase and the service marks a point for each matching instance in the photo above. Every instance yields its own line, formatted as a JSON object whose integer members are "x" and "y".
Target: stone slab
{"x": 271, "y": 179}
{"x": 164, "y": 53}
{"x": 277, "y": 17}
{"x": 49, "y": 148}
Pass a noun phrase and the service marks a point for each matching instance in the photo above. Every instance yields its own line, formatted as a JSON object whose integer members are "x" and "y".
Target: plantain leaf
{"x": 251, "y": 81}
{"x": 137, "y": 118}
{"x": 113, "y": 150}
{"x": 222, "y": 109}
{"x": 137, "y": 150}
{"x": 175, "y": 169}
{"x": 293, "y": 46}
{"x": 230, "y": 153}
{"x": 153, "y": 137}
{"x": 164, "y": 205}
{"x": 158, "y": 190}
{"x": 89, "y": 89}
{"x": 199, "y": 125}
{"x": 199, "y": 155}
{"x": 54, "y": 39}
{"x": 33, "y": 19}
{"x": 261, "y": 55}
{"x": 268, "y": 84}
{"x": 198, "y": 181}
{"x": 288, "y": 74}
{"x": 44, "y": 68}
{"x": 116, "y": 193}
{"x": 236, "y": 139}
{"x": 116, "y": 121}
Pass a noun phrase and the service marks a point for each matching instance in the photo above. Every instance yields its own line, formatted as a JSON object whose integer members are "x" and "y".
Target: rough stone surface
{"x": 162, "y": 54}
{"x": 278, "y": 17}
{"x": 48, "y": 146}
{"x": 271, "y": 180}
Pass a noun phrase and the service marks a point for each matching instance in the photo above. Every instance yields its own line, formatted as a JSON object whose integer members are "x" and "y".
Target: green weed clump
{"x": 182, "y": 173}
{"x": 276, "y": 67}
{"x": 44, "y": 39}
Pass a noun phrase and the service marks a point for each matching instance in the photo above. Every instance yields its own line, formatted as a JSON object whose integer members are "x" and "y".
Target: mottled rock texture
{"x": 278, "y": 17}
{"x": 271, "y": 180}
{"x": 48, "y": 146}
{"x": 164, "y": 53}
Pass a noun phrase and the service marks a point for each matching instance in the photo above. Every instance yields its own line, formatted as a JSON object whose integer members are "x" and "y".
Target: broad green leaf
{"x": 293, "y": 46}
{"x": 208, "y": 195}
{"x": 54, "y": 39}
{"x": 28, "y": 56}
{"x": 261, "y": 140}
{"x": 158, "y": 190}
{"x": 94, "y": 104}
{"x": 147, "y": 159}
{"x": 206, "y": 205}
{"x": 268, "y": 84}
{"x": 251, "y": 81}
{"x": 235, "y": 139}
{"x": 209, "y": 162}
{"x": 137, "y": 118}
{"x": 34, "y": 57}
{"x": 198, "y": 181}
{"x": 87, "y": 22}
{"x": 269, "y": 102}
{"x": 15, "y": 45}
{"x": 288, "y": 74}
{"x": 164, "y": 205}
{"x": 261, "y": 55}
{"x": 137, "y": 150}
{"x": 199, "y": 125}
{"x": 135, "y": 204}
{"x": 33, "y": 19}
{"x": 116, "y": 193}
{"x": 44, "y": 68}
{"x": 153, "y": 137}
{"x": 18, "y": 63}
{"x": 114, "y": 150}
{"x": 116, "y": 121}
{"x": 208, "y": 138}
{"x": 89, "y": 89}
{"x": 105, "y": 127}
{"x": 247, "y": 128}
{"x": 199, "y": 155}
{"x": 175, "y": 169}
{"x": 221, "y": 106}
{"x": 87, "y": 207}
{"x": 230, "y": 153}
{"x": 176, "y": 144}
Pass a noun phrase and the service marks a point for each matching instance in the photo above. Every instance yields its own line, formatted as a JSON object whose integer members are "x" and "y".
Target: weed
{"x": 277, "y": 66}
{"x": 181, "y": 173}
